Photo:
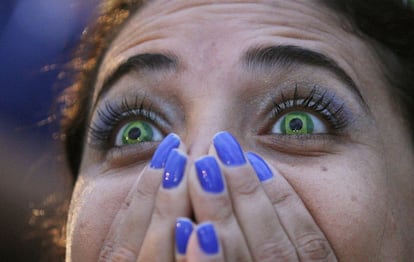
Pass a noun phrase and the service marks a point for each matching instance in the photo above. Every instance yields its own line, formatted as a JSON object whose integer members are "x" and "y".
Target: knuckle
{"x": 224, "y": 210}
{"x": 164, "y": 208}
{"x": 219, "y": 210}
{"x": 245, "y": 186}
{"x": 273, "y": 251}
{"x": 314, "y": 247}
{"x": 286, "y": 199}
{"x": 126, "y": 204}
{"x": 242, "y": 184}
{"x": 116, "y": 254}
{"x": 147, "y": 188}
{"x": 106, "y": 252}
{"x": 144, "y": 193}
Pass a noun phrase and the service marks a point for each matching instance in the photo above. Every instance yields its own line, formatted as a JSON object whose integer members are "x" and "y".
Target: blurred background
{"x": 37, "y": 38}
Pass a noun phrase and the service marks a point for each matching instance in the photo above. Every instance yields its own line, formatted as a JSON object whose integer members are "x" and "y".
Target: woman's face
{"x": 248, "y": 67}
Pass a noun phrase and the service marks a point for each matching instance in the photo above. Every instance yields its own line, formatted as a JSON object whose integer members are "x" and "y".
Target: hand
{"x": 143, "y": 228}
{"x": 250, "y": 219}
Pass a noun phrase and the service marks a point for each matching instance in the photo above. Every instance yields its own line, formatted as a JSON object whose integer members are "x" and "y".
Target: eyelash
{"x": 112, "y": 116}
{"x": 317, "y": 101}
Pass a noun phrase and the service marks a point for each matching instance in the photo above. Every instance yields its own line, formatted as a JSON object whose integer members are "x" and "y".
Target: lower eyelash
{"x": 317, "y": 101}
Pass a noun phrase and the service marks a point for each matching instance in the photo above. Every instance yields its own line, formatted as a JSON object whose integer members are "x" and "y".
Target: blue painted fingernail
{"x": 207, "y": 238}
{"x": 260, "y": 166}
{"x": 228, "y": 149}
{"x": 209, "y": 174}
{"x": 183, "y": 230}
{"x": 161, "y": 154}
{"x": 174, "y": 169}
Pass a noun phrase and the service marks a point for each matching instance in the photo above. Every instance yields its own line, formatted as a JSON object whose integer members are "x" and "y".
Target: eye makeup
{"x": 327, "y": 107}
{"x": 319, "y": 101}
{"x": 333, "y": 110}
{"x": 111, "y": 115}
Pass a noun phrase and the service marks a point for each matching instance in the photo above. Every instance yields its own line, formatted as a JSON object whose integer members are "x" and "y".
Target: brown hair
{"x": 83, "y": 69}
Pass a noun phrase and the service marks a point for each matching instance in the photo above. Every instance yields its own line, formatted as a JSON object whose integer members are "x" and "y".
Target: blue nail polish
{"x": 209, "y": 174}
{"x": 260, "y": 166}
{"x": 183, "y": 230}
{"x": 228, "y": 149}
{"x": 174, "y": 169}
{"x": 207, "y": 238}
{"x": 161, "y": 154}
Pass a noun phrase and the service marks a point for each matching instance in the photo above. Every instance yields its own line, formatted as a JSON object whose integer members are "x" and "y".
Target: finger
{"x": 308, "y": 239}
{"x": 183, "y": 230}
{"x": 127, "y": 231}
{"x": 171, "y": 202}
{"x": 204, "y": 245}
{"x": 265, "y": 236}
{"x": 211, "y": 202}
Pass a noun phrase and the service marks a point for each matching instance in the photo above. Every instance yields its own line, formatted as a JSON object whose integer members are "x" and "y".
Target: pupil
{"x": 134, "y": 133}
{"x": 296, "y": 124}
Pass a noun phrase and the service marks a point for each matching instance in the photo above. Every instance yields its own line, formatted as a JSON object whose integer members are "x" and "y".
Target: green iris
{"x": 137, "y": 132}
{"x": 297, "y": 123}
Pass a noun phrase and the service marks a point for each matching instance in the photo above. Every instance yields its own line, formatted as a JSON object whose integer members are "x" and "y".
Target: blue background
{"x": 37, "y": 38}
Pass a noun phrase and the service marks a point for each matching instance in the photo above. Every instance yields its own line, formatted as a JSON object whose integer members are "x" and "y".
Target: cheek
{"x": 93, "y": 208}
{"x": 347, "y": 197}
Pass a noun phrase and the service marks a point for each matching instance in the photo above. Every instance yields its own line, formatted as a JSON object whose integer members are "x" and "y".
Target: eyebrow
{"x": 255, "y": 58}
{"x": 288, "y": 55}
{"x": 148, "y": 61}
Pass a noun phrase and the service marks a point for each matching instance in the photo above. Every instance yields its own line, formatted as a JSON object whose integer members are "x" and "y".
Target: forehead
{"x": 197, "y": 21}
{"x": 204, "y": 34}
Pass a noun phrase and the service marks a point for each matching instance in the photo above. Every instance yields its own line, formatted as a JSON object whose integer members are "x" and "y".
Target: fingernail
{"x": 183, "y": 230}
{"x": 209, "y": 174}
{"x": 174, "y": 169}
{"x": 260, "y": 166}
{"x": 207, "y": 238}
{"x": 161, "y": 154}
{"x": 228, "y": 149}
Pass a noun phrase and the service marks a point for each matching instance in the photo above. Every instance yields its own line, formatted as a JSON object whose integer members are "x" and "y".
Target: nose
{"x": 205, "y": 120}
{"x": 200, "y": 134}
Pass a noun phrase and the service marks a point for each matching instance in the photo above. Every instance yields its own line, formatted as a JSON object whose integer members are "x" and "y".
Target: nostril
{"x": 192, "y": 217}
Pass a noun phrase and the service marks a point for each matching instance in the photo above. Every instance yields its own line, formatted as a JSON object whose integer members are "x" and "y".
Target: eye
{"x": 137, "y": 131}
{"x": 299, "y": 123}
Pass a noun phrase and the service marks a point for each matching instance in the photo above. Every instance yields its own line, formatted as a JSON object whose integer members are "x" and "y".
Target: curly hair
{"x": 388, "y": 23}
{"x": 83, "y": 69}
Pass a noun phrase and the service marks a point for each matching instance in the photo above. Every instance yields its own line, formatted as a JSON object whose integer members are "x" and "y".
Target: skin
{"x": 349, "y": 192}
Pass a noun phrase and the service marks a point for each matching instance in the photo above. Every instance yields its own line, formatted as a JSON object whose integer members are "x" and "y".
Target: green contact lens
{"x": 297, "y": 123}
{"x": 136, "y": 132}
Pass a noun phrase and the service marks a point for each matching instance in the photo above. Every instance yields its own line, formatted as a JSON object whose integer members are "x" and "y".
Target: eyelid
{"x": 111, "y": 115}
{"x": 293, "y": 56}
{"x": 317, "y": 100}
{"x": 333, "y": 117}
{"x": 154, "y": 62}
